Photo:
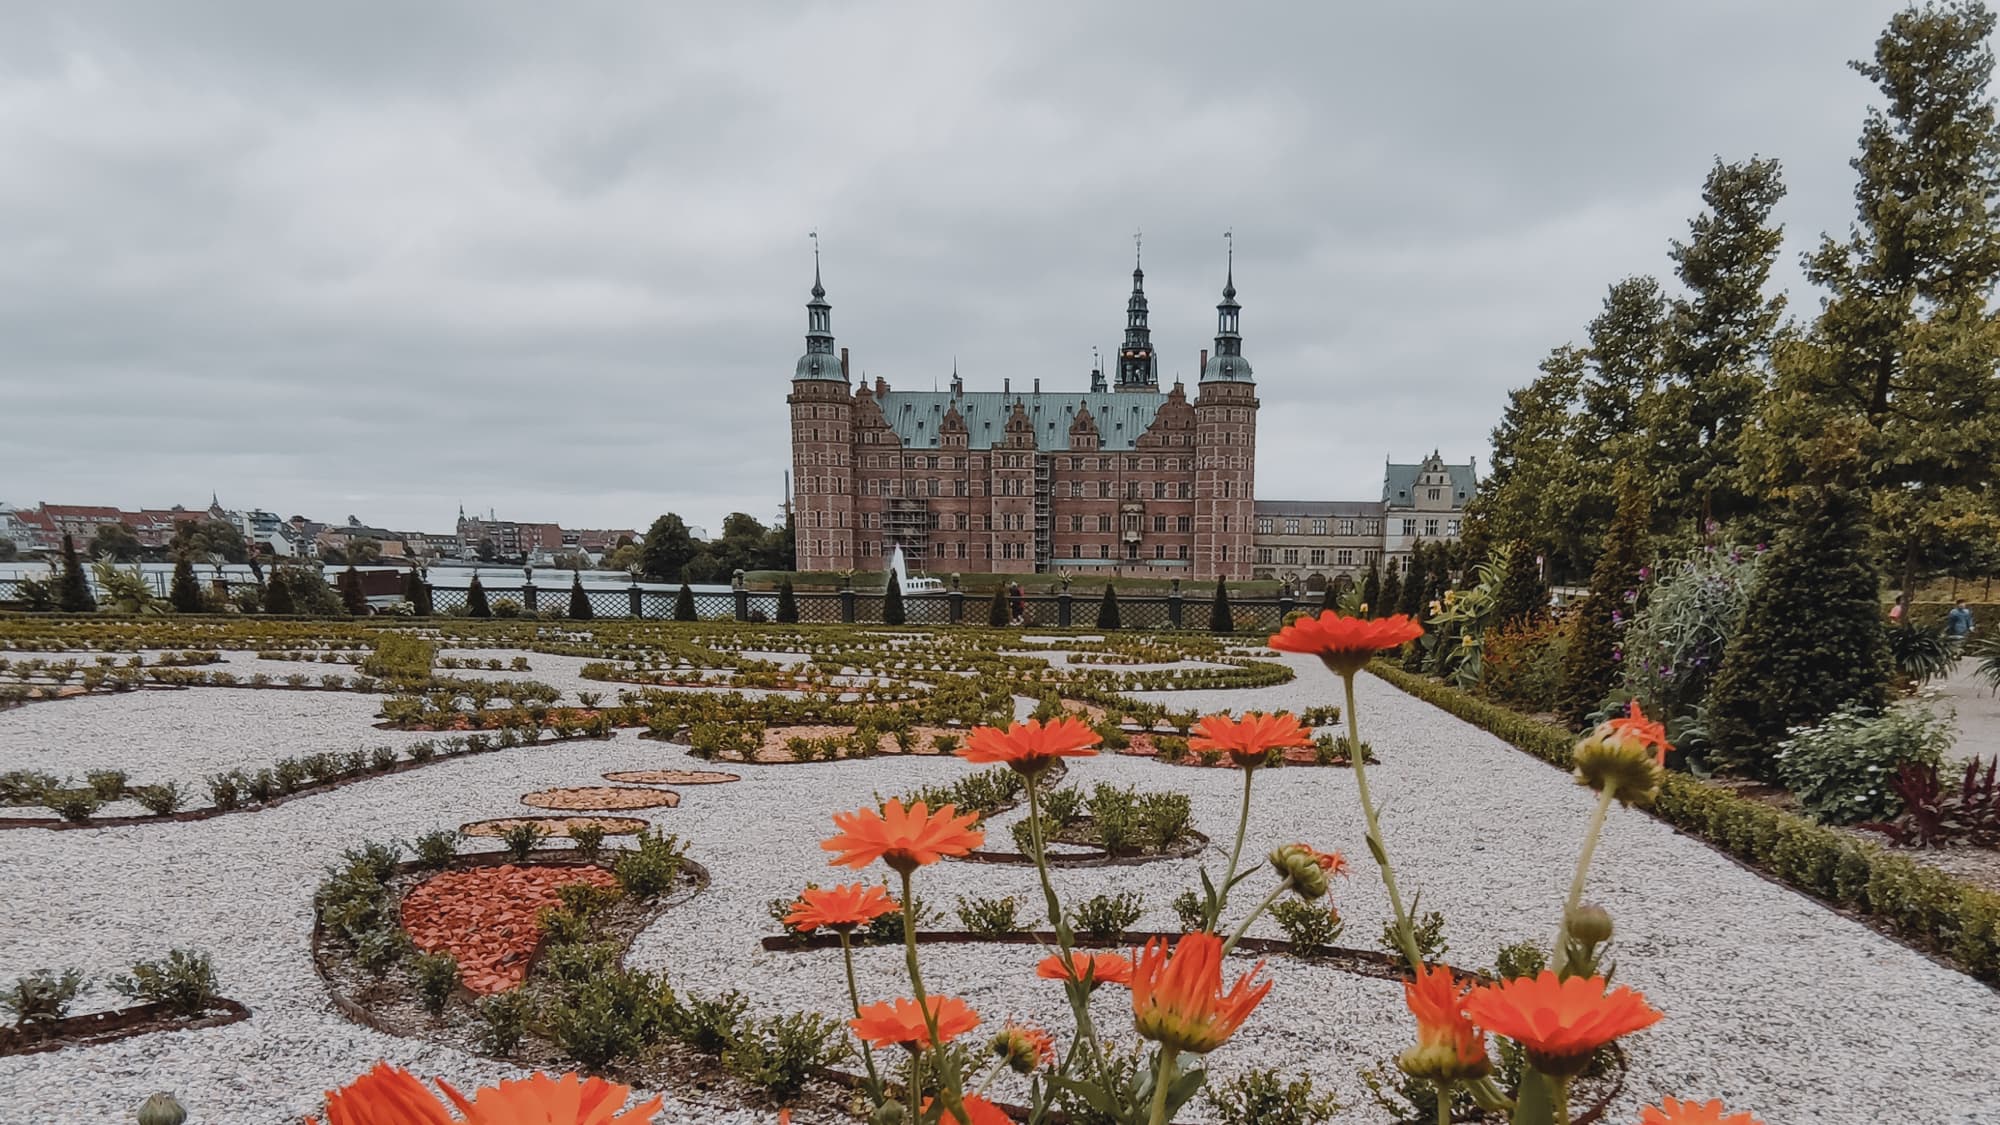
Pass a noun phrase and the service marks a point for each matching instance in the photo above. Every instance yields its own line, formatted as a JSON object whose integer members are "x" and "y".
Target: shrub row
{"x": 1924, "y": 906}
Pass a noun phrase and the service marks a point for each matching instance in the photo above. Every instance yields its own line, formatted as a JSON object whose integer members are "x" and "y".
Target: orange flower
{"x": 1673, "y": 1111}
{"x": 978, "y": 1111}
{"x": 1636, "y": 727}
{"x": 1094, "y": 968}
{"x": 905, "y": 839}
{"x": 841, "y": 908}
{"x": 559, "y": 1101}
{"x": 1023, "y": 1048}
{"x": 1560, "y": 1023}
{"x": 1028, "y": 747}
{"x": 901, "y": 1022}
{"x": 1250, "y": 739}
{"x": 389, "y": 1095}
{"x": 1345, "y": 644}
{"x": 1179, "y": 1003}
{"x": 1449, "y": 1048}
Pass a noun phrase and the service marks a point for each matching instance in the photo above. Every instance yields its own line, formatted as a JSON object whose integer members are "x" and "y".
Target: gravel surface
{"x": 1774, "y": 1003}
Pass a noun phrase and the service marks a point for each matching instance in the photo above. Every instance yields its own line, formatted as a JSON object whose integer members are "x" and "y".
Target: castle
{"x": 1120, "y": 480}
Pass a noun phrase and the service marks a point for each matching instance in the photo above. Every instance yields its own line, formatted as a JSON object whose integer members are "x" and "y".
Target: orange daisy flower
{"x": 1178, "y": 1001}
{"x": 1250, "y": 739}
{"x": 901, "y": 1022}
{"x": 1345, "y": 644}
{"x": 1559, "y": 1023}
{"x": 390, "y": 1095}
{"x": 1024, "y": 1048}
{"x": 1095, "y": 968}
{"x": 1673, "y": 1111}
{"x": 1029, "y": 747}
{"x": 840, "y": 908}
{"x": 905, "y": 839}
{"x": 978, "y": 1111}
{"x": 1636, "y": 727}
{"x": 1449, "y": 1048}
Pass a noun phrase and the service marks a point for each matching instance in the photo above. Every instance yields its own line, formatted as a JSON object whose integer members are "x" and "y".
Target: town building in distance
{"x": 1125, "y": 478}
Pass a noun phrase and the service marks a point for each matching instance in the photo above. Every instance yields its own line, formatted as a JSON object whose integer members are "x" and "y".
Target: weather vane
{"x": 1135, "y": 246}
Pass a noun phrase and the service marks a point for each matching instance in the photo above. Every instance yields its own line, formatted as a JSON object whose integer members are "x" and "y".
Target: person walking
{"x": 1958, "y": 623}
{"x": 1020, "y": 605}
{"x": 1896, "y": 611}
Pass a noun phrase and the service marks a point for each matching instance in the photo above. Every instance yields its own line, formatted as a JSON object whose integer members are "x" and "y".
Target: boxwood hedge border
{"x": 1951, "y": 920}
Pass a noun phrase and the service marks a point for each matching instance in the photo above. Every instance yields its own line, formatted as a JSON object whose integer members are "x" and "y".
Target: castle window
{"x": 1430, "y": 527}
{"x": 1319, "y": 527}
{"x": 1183, "y": 551}
{"x": 1437, "y": 493}
{"x": 1159, "y": 550}
{"x": 1159, "y": 523}
{"x": 1225, "y": 523}
{"x": 1103, "y": 550}
{"x": 1347, "y": 527}
{"x": 1345, "y": 556}
{"x": 1451, "y": 528}
{"x": 1291, "y": 556}
{"x": 1266, "y": 525}
{"x": 1183, "y": 524}
{"x": 1317, "y": 557}
{"x": 1291, "y": 526}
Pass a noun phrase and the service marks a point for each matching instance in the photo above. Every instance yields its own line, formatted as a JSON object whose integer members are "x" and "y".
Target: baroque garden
{"x": 1697, "y": 845}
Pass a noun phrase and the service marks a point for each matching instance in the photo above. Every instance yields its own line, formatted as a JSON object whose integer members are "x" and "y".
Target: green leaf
{"x": 1184, "y": 1087}
{"x": 1093, "y": 1096}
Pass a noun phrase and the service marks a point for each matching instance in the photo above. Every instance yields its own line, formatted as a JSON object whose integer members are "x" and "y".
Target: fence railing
{"x": 1061, "y": 610}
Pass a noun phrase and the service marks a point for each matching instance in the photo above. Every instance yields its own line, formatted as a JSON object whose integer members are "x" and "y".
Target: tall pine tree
{"x": 72, "y": 588}
{"x": 185, "y": 593}
{"x": 1521, "y": 598}
{"x": 476, "y": 604}
{"x": 1371, "y": 592}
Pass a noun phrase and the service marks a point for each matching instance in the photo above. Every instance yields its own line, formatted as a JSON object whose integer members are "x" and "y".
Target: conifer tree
{"x": 475, "y": 599}
{"x": 997, "y": 614}
{"x": 1107, "y": 610}
{"x": 1415, "y": 574}
{"x": 73, "y": 590}
{"x": 1329, "y": 598}
{"x": 1590, "y": 667}
{"x": 417, "y": 592}
{"x": 185, "y": 593}
{"x": 1812, "y": 638}
{"x": 892, "y": 601}
{"x": 1521, "y": 598}
{"x": 579, "y": 602}
{"x": 350, "y": 592}
{"x": 684, "y": 604}
{"x": 788, "y": 603}
{"x": 278, "y": 600}
{"x": 1371, "y": 591}
{"x": 1392, "y": 592}
{"x": 1220, "y": 619}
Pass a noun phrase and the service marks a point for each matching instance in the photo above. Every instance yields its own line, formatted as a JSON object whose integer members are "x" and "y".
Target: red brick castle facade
{"x": 1125, "y": 480}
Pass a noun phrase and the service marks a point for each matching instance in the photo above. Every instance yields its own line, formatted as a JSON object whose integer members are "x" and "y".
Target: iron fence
{"x": 1064, "y": 609}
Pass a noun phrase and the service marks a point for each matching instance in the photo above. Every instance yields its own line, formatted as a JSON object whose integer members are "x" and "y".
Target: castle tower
{"x": 1138, "y": 367}
{"x": 822, "y": 443}
{"x": 1225, "y": 413}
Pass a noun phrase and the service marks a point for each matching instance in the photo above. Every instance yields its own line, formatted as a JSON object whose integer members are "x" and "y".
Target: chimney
{"x": 1007, "y": 386}
{"x": 1204, "y": 362}
{"x": 843, "y": 363}
{"x": 881, "y": 386}
{"x": 1038, "y": 385}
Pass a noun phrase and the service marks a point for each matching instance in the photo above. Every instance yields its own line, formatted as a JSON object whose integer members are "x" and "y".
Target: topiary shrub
{"x": 1220, "y": 619}
{"x": 1521, "y": 599}
{"x": 475, "y": 600}
{"x": 185, "y": 593}
{"x": 684, "y": 604}
{"x": 1590, "y": 669}
{"x": 1371, "y": 592}
{"x": 892, "y": 601}
{"x": 788, "y": 604}
{"x": 417, "y": 592}
{"x": 350, "y": 592}
{"x": 1812, "y": 638}
{"x": 73, "y": 589}
{"x": 997, "y": 614}
{"x": 1107, "y": 609}
{"x": 1392, "y": 593}
{"x": 579, "y": 602}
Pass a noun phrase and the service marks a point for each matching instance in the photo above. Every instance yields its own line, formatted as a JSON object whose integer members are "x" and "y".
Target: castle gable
{"x": 1120, "y": 417}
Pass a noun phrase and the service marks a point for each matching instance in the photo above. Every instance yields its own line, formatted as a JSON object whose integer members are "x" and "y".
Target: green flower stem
{"x": 1235, "y": 852}
{"x": 1590, "y": 838}
{"x": 916, "y": 1090}
{"x": 1077, "y": 991}
{"x": 1444, "y": 1102}
{"x": 854, "y": 1001}
{"x": 1283, "y": 886}
{"x": 923, "y": 1004}
{"x": 1162, "y": 1079}
{"x": 1406, "y": 938}
{"x": 1562, "y": 1100}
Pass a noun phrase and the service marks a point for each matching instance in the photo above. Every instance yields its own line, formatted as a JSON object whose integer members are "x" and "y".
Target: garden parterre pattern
{"x": 1774, "y": 1003}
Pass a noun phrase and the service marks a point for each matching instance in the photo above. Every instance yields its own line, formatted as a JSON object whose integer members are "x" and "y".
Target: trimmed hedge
{"x": 1924, "y": 906}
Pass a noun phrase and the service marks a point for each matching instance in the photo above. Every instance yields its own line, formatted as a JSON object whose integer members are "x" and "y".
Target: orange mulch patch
{"x": 556, "y": 825}
{"x": 485, "y": 917}
{"x": 672, "y": 777}
{"x": 602, "y": 797}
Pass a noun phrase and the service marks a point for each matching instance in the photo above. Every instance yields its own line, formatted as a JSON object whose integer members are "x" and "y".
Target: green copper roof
{"x": 1121, "y": 416}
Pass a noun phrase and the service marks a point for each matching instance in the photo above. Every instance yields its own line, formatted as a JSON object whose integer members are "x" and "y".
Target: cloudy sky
{"x": 384, "y": 258}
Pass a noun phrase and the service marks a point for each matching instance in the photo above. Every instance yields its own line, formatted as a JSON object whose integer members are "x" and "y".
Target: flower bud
{"x": 1306, "y": 869}
{"x": 1022, "y": 1048}
{"x": 1590, "y": 925}
{"x": 1621, "y": 765}
{"x": 161, "y": 1109}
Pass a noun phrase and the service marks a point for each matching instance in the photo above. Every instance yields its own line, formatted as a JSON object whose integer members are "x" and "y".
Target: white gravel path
{"x": 1774, "y": 1003}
